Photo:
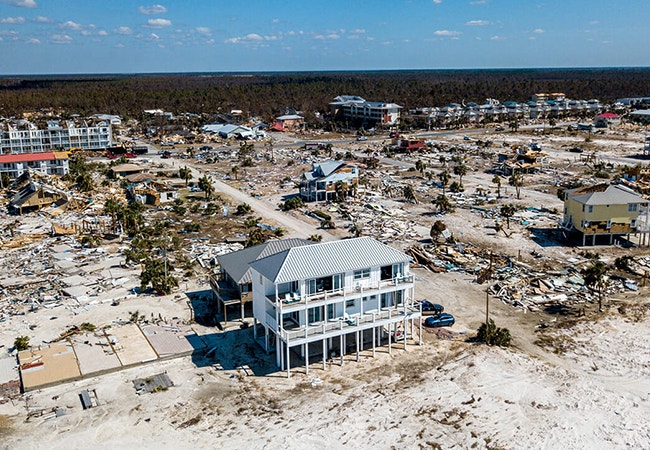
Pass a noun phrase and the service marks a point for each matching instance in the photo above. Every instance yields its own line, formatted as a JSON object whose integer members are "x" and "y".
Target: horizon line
{"x": 309, "y": 71}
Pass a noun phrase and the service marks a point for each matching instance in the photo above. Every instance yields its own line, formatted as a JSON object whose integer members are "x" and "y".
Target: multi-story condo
{"x": 324, "y": 298}
{"x": 26, "y": 137}
{"x": 49, "y": 163}
{"x": 356, "y": 108}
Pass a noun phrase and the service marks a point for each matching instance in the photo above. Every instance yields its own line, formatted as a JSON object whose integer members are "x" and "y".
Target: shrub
{"x": 292, "y": 203}
{"x": 492, "y": 335}
{"x": 21, "y": 343}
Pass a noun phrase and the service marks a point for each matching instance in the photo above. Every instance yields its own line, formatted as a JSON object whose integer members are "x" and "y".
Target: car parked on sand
{"x": 431, "y": 308}
{"x": 362, "y": 138}
{"x": 440, "y": 320}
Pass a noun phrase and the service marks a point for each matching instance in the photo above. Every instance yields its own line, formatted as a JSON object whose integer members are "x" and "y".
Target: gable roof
{"x": 236, "y": 264}
{"x": 604, "y": 194}
{"x": 327, "y": 258}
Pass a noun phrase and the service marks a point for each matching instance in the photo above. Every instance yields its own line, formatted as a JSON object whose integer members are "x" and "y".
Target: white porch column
{"x": 356, "y": 335}
{"x": 324, "y": 354}
{"x": 306, "y": 350}
{"x": 288, "y": 360}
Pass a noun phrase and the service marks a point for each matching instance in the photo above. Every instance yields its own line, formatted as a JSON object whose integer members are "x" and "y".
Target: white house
{"x": 320, "y": 299}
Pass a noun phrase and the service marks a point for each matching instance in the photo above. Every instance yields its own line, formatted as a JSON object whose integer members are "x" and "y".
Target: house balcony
{"x": 317, "y": 331}
{"x": 290, "y": 301}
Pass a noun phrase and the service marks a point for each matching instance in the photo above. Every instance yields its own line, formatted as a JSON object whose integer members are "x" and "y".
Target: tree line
{"x": 269, "y": 94}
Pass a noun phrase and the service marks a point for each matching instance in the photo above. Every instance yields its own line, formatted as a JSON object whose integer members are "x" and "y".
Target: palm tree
{"x": 442, "y": 203}
{"x": 340, "y": 189}
{"x": 185, "y": 174}
{"x": 461, "y": 171}
{"x": 409, "y": 194}
{"x": 507, "y": 211}
{"x": 595, "y": 278}
{"x": 444, "y": 180}
{"x": 112, "y": 207}
{"x": 235, "y": 171}
{"x": 497, "y": 180}
{"x": 205, "y": 184}
{"x": 420, "y": 166}
{"x": 517, "y": 180}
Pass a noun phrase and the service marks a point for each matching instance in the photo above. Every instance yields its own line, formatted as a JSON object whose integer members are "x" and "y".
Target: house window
{"x": 632, "y": 207}
{"x": 349, "y": 304}
{"x": 609, "y": 224}
{"x": 633, "y": 223}
{"x": 361, "y": 274}
{"x": 591, "y": 208}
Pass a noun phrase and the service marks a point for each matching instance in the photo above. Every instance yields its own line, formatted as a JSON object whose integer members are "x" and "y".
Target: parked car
{"x": 362, "y": 138}
{"x": 499, "y": 128}
{"x": 467, "y": 138}
{"x": 166, "y": 154}
{"x": 431, "y": 308}
{"x": 440, "y": 320}
{"x": 130, "y": 155}
{"x": 575, "y": 150}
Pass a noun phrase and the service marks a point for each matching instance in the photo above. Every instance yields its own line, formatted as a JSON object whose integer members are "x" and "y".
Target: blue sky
{"x": 119, "y": 36}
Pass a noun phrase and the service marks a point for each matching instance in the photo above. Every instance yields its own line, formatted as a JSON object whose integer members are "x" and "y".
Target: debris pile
{"x": 519, "y": 284}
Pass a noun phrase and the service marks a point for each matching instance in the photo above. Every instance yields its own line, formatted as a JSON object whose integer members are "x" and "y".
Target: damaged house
{"x": 328, "y": 179}
{"x": 603, "y": 212}
{"x": 33, "y": 194}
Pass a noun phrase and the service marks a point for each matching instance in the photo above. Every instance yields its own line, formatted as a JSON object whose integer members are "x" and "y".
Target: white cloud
{"x": 119, "y": 46}
{"x": 33, "y": 41}
{"x": 159, "y": 23}
{"x": 102, "y": 33}
{"x": 61, "y": 39}
{"x": 330, "y": 36}
{"x": 497, "y": 38}
{"x": 538, "y": 31}
{"x": 437, "y": 2}
{"x": 248, "y": 39}
{"x": 446, "y": 33}
{"x": 358, "y": 31}
{"x": 123, "y": 30}
{"x": 43, "y": 19}
{"x": 204, "y": 30}
{"x": 594, "y": 22}
{"x": 275, "y": 21}
{"x": 70, "y": 25}
{"x": 154, "y": 36}
{"x": 22, "y": 3}
{"x": 477, "y": 23}
{"x": 153, "y": 9}
{"x": 13, "y": 20}
{"x": 478, "y": 2}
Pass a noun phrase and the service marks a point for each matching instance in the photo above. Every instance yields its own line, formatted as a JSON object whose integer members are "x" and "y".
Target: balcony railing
{"x": 350, "y": 322}
{"x": 296, "y": 299}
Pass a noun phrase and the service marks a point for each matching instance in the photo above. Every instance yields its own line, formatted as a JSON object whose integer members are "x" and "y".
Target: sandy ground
{"x": 448, "y": 393}
{"x": 565, "y": 383}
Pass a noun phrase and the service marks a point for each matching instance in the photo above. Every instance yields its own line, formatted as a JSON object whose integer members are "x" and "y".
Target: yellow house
{"x": 602, "y": 210}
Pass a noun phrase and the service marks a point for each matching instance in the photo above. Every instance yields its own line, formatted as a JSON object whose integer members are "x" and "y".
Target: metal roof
{"x": 236, "y": 264}
{"x": 612, "y": 195}
{"x": 327, "y": 258}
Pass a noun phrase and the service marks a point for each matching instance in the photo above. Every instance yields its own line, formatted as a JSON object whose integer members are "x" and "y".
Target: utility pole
{"x": 487, "y": 297}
